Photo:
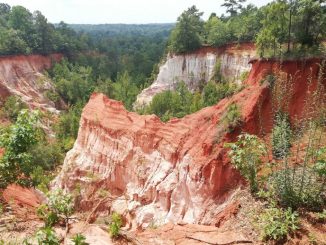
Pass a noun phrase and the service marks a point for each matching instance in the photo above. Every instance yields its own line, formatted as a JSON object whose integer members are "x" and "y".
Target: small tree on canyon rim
{"x": 15, "y": 164}
{"x": 246, "y": 156}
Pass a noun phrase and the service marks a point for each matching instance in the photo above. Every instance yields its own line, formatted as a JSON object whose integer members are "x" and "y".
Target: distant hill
{"x": 123, "y": 29}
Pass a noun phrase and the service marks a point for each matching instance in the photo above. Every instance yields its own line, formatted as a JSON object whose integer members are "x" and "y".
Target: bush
{"x": 16, "y": 165}
{"x": 79, "y": 240}
{"x": 232, "y": 119}
{"x": 47, "y": 155}
{"x": 68, "y": 125}
{"x": 304, "y": 186}
{"x": 297, "y": 188}
{"x": 276, "y": 223}
{"x": 246, "y": 156}
{"x": 47, "y": 236}
{"x": 214, "y": 92}
{"x": 281, "y": 136}
{"x": 49, "y": 217}
{"x": 61, "y": 203}
{"x": 12, "y": 107}
{"x": 116, "y": 223}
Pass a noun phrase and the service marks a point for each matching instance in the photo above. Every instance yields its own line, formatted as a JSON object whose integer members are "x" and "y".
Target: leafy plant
{"x": 246, "y": 156}
{"x": 12, "y": 107}
{"x": 276, "y": 223}
{"x": 49, "y": 216}
{"x": 232, "y": 118}
{"x": 47, "y": 236}
{"x": 61, "y": 203}
{"x": 281, "y": 136}
{"x": 15, "y": 165}
{"x": 79, "y": 239}
{"x": 116, "y": 223}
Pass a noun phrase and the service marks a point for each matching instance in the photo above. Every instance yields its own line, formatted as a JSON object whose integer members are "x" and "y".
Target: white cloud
{"x": 120, "y": 11}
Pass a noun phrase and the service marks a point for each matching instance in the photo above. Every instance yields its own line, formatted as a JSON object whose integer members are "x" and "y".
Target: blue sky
{"x": 120, "y": 11}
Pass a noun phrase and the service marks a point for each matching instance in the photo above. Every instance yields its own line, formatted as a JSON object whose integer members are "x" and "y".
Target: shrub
{"x": 232, "y": 118}
{"x": 12, "y": 107}
{"x": 276, "y": 223}
{"x": 47, "y": 236}
{"x": 68, "y": 125}
{"x": 47, "y": 155}
{"x": 304, "y": 186}
{"x": 246, "y": 156}
{"x": 298, "y": 188}
{"x": 59, "y": 207}
{"x": 61, "y": 203}
{"x": 281, "y": 136}
{"x": 79, "y": 240}
{"x": 49, "y": 217}
{"x": 244, "y": 76}
{"x": 116, "y": 223}
{"x": 16, "y": 165}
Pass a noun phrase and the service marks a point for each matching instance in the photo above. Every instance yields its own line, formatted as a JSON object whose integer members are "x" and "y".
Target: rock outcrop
{"x": 199, "y": 67}
{"x": 176, "y": 171}
{"x": 22, "y": 76}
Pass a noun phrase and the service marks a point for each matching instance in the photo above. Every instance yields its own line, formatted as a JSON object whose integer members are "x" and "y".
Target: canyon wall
{"x": 22, "y": 76}
{"x": 177, "y": 171}
{"x": 199, "y": 67}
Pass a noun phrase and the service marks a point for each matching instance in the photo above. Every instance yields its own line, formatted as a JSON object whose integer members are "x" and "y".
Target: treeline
{"x": 118, "y": 48}
{"x": 281, "y": 26}
{"x": 23, "y": 32}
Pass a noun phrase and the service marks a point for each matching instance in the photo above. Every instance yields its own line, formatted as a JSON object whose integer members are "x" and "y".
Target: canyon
{"x": 198, "y": 67}
{"x": 22, "y": 76}
{"x": 174, "y": 172}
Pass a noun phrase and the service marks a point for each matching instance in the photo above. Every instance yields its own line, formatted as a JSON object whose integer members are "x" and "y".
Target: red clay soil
{"x": 19, "y": 75}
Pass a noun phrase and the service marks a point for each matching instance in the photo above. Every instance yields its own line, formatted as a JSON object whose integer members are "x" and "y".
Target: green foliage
{"x": 68, "y": 125}
{"x": 24, "y": 33}
{"x": 15, "y": 165}
{"x": 302, "y": 187}
{"x": 281, "y": 136}
{"x": 276, "y": 223}
{"x": 59, "y": 207}
{"x": 12, "y": 107}
{"x": 72, "y": 82}
{"x": 232, "y": 118}
{"x": 244, "y": 76}
{"x": 185, "y": 36}
{"x": 214, "y": 92}
{"x": 297, "y": 188}
{"x": 322, "y": 215}
{"x": 46, "y": 155}
{"x": 49, "y": 216}
{"x": 47, "y": 236}
{"x": 233, "y": 6}
{"x": 174, "y": 104}
{"x": 125, "y": 90}
{"x": 1, "y": 209}
{"x": 273, "y": 32}
{"x": 182, "y": 102}
{"x": 79, "y": 239}
{"x": 61, "y": 203}
{"x": 246, "y": 156}
{"x": 115, "y": 226}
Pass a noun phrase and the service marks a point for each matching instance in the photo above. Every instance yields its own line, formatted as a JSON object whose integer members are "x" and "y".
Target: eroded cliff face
{"x": 178, "y": 171}
{"x": 199, "y": 67}
{"x": 22, "y": 76}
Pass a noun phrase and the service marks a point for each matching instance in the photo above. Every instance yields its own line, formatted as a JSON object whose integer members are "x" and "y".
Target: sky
{"x": 120, "y": 11}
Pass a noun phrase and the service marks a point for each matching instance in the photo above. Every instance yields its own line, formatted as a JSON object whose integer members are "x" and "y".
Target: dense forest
{"x": 278, "y": 28}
